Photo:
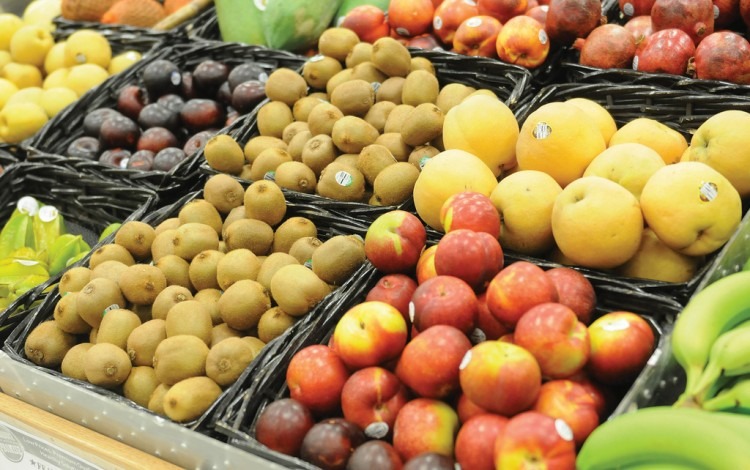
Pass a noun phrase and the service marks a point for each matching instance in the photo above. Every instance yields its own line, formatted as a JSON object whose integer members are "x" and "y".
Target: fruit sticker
{"x": 175, "y": 77}
{"x": 437, "y": 23}
{"x": 377, "y": 430}
{"x": 110, "y": 308}
{"x": 708, "y": 191}
{"x": 48, "y": 213}
{"x": 344, "y": 178}
{"x": 563, "y": 429}
{"x": 260, "y": 4}
{"x": 621, "y": 324}
{"x": 270, "y": 176}
{"x": 316, "y": 58}
{"x": 465, "y": 361}
{"x": 27, "y": 205}
{"x": 628, "y": 9}
{"x": 543, "y": 36}
{"x": 542, "y": 130}
{"x": 474, "y": 22}
{"x": 635, "y": 63}
{"x": 477, "y": 336}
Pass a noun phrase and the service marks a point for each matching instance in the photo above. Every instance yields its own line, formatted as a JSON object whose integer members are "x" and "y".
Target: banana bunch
{"x": 665, "y": 437}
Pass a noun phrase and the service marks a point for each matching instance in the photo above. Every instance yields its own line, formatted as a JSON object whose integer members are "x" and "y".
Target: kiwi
{"x": 395, "y": 185}
{"x": 163, "y": 244}
{"x": 141, "y": 283}
{"x": 318, "y": 152}
{"x": 74, "y": 279}
{"x": 92, "y": 335}
{"x": 348, "y": 159}
{"x": 156, "y": 400}
{"x": 259, "y": 143}
{"x": 361, "y": 52}
{"x": 319, "y": 69}
{"x": 438, "y": 143}
{"x": 421, "y": 63}
{"x": 423, "y": 124}
{"x": 338, "y": 79}
{"x": 303, "y": 249}
{"x": 142, "y": 311}
{"x": 111, "y": 251}
{"x": 189, "y": 318}
{"x": 391, "y": 57}
{"x": 46, "y": 345}
{"x": 293, "y": 129}
{"x": 237, "y": 264}
{"x": 390, "y": 90}
{"x": 140, "y": 384}
{"x": 192, "y": 238}
{"x": 265, "y": 201}
{"x": 354, "y": 97}
{"x": 179, "y": 357}
{"x": 297, "y": 289}
{"x": 264, "y": 166}
{"x": 200, "y": 211}
{"x": 368, "y": 72}
{"x": 254, "y": 343}
{"x": 136, "y": 237}
{"x": 273, "y": 323}
{"x": 227, "y": 360}
{"x": 303, "y": 106}
{"x": 224, "y": 154}
{"x": 142, "y": 341}
{"x": 451, "y": 95}
{"x": 190, "y": 398}
{"x": 296, "y": 176}
{"x": 395, "y": 143}
{"x": 420, "y": 87}
{"x": 396, "y": 118}
{"x": 291, "y": 230}
{"x": 106, "y": 365}
{"x": 322, "y": 118}
{"x": 235, "y": 214}
{"x": 223, "y": 192}
{"x": 72, "y": 363}
{"x": 110, "y": 269}
{"x": 66, "y": 316}
{"x": 97, "y": 296}
{"x": 116, "y": 326}
{"x": 338, "y": 258}
{"x": 271, "y": 264}
{"x": 273, "y": 117}
{"x": 342, "y": 183}
{"x": 378, "y": 114}
{"x": 351, "y": 134}
{"x": 242, "y": 304}
{"x": 202, "y": 270}
{"x": 175, "y": 271}
{"x": 167, "y": 298}
{"x": 372, "y": 159}
{"x": 297, "y": 144}
{"x": 337, "y": 42}
{"x": 223, "y": 331}
{"x": 419, "y": 156}
{"x": 210, "y": 298}
{"x": 285, "y": 85}
{"x": 166, "y": 224}
{"x": 252, "y": 234}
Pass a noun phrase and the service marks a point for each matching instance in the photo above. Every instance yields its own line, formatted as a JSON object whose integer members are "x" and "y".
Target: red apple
{"x": 427, "y": 41}
{"x": 369, "y": 334}
{"x": 368, "y": 21}
{"x": 503, "y": 10}
{"x": 373, "y": 396}
{"x": 475, "y": 442}
{"x": 523, "y": 41}
{"x": 490, "y": 326}
{"x": 426, "y": 264}
{"x": 282, "y": 425}
{"x": 396, "y": 290}
{"x": 474, "y": 257}
{"x": 444, "y": 300}
{"x": 552, "y": 333}
{"x": 621, "y": 344}
{"x": 467, "y": 409}
{"x": 534, "y": 440}
{"x": 394, "y": 241}
{"x": 410, "y": 17}
{"x": 575, "y": 291}
{"x": 375, "y": 454}
{"x": 507, "y": 338}
{"x": 517, "y": 288}
{"x": 470, "y": 210}
{"x": 449, "y": 15}
{"x": 477, "y": 36}
{"x": 538, "y": 12}
{"x": 571, "y": 402}
{"x": 425, "y": 425}
{"x": 428, "y": 374}
{"x": 500, "y": 377}
{"x": 315, "y": 377}
{"x": 601, "y": 395}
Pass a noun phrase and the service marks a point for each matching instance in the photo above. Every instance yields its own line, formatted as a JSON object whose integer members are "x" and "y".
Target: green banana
{"x": 665, "y": 436}
{"x": 735, "y": 396}
{"x": 717, "y": 308}
{"x": 241, "y": 20}
{"x": 48, "y": 225}
{"x": 65, "y": 247}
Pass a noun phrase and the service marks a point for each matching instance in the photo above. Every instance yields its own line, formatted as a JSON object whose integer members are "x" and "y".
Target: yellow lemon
{"x": 599, "y": 114}
{"x": 629, "y": 165}
{"x": 87, "y": 46}
{"x": 26, "y": 95}
{"x": 20, "y": 121}
{"x": 9, "y": 24}
{"x": 30, "y": 44}
{"x": 122, "y": 61}
{"x": 22, "y": 75}
{"x": 7, "y": 89}
{"x": 55, "y": 58}
{"x": 58, "y": 78}
{"x": 54, "y": 100}
{"x": 84, "y": 77}
{"x": 668, "y": 142}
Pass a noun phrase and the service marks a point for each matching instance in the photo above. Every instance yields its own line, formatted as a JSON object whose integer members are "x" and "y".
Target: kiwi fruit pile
{"x": 170, "y": 315}
{"x": 357, "y": 124}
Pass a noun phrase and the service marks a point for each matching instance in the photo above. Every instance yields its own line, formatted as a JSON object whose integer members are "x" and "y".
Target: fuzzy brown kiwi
{"x": 223, "y": 192}
{"x": 235, "y": 214}
{"x": 421, "y": 63}
{"x": 163, "y": 244}
{"x": 190, "y": 317}
{"x": 72, "y": 363}
{"x": 372, "y": 159}
{"x": 141, "y": 283}
{"x": 192, "y": 238}
{"x": 242, "y": 304}
{"x": 202, "y": 270}
{"x": 297, "y": 289}
{"x": 396, "y": 118}
{"x": 245, "y": 174}
{"x": 92, "y": 335}
{"x": 106, "y": 365}
{"x": 111, "y": 251}
{"x": 368, "y": 72}
{"x": 238, "y": 264}
{"x": 224, "y": 154}
{"x": 74, "y": 279}
{"x": 175, "y": 271}
{"x": 285, "y": 85}
{"x": 273, "y": 323}
{"x": 318, "y": 152}
{"x": 438, "y": 143}
{"x": 391, "y": 57}
{"x": 259, "y": 143}
{"x": 378, "y": 114}
{"x": 354, "y": 97}
{"x": 227, "y": 360}
{"x": 252, "y": 234}
{"x": 293, "y": 129}
{"x": 179, "y": 357}
{"x": 137, "y": 238}
{"x": 167, "y": 224}
{"x": 200, "y": 211}
{"x": 342, "y": 183}
{"x": 395, "y": 185}
{"x": 223, "y": 331}
{"x": 271, "y": 264}
{"x": 273, "y": 117}
{"x": 395, "y": 143}
{"x": 167, "y": 298}
{"x": 322, "y": 118}
{"x": 337, "y": 42}
{"x": 303, "y": 106}
{"x": 420, "y": 87}
{"x": 319, "y": 69}
{"x": 338, "y": 258}
{"x": 156, "y": 400}
{"x": 265, "y": 165}
{"x": 67, "y": 317}
{"x": 338, "y": 79}
{"x": 297, "y": 144}
{"x": 419, "y": 155}
{"x": 390, "y": 90}
{"x": 296, "y": 176}
{"x": 210, "y": 298}
{"x": 110, "y": 269}
{"x": 348, "y": 159}
{"x": 423, "y": 124}
{"x": 46, "y": 344}
{"x": 303, "y": 249}
{"x": 190, "y": 398}
{"x": 140, "y": 384}
{"x": 320, "y": 95}
{"x": 265, "y": 201}
{"x": 361, "y": 52}
{"x": 96, "y": 296}
{"x": 291, "y": 230}
{"x": 351, "y": 134}
{"x": 452, "y": 94}
{"x": 254, "y": 343}
{"x": 116, "y": 326}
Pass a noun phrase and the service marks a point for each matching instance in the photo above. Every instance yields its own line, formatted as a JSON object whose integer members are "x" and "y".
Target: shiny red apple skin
{"x": 516, "y": 288}
{"x": 396, "y": 290}
{"x": 621, "y": 345}
{"x": 373, "y": 395}
{"x": 444, "y": 300}
{"x": 394, "y": 241}
{"x": 575, "y": 291}
{"x": 570, "y": 401}
{"x": 315, "y": 377}
{"x": 532, "y": 439}
{"x": 475, "y": 442}
{"x": 425, "y": 425}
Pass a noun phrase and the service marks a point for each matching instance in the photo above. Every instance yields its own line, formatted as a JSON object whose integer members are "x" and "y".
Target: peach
{"x": 371, "y": 398}
{"x": 444, "y": 300}
{"x": 426, "y": 264}
{"x": 470, "y": 210}
{"x": 575, "y": 291}
{"x": 534, "y": 440}
{"x": 475, "y": 442}
{"x": 474, "y": 257}
{"x": 394, "y": 241}
{"x": 621, "y": 344}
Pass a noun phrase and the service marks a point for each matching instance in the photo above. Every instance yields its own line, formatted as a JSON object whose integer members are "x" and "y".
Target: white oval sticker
{"x": 474, "y": 22}
{"x": 411, "y": 311}
{"x": 465, "y": 361}
{"x": 635, "y": 63}
{"x": 708, "y": 191}
{"x": 628, "y": 9}
{"x": 716, "y": 11}
{"x": 377, "y": 430}
{"x": 28, "y": 205}
{"x": 543, "y": 36}
{"x": 403, "y": 31}
{"x": 563, "y": 429}
{"x": 48, "y": 213}
{"x": 437, "y": 23}
{"x": 542, "y": 130}
{"x": 344, "y": 178}
{"x": 616, "y": 325}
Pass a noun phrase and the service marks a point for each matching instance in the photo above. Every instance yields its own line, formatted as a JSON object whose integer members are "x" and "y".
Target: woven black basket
{"x": 120, "y": 37}
{"x": 87, "y": 203}
{"x": 59, "y": 132}
{"x": 206, "y": 25}
{"x": 9, "y": 154}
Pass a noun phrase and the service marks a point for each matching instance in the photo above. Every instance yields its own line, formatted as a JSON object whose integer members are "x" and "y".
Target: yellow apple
{"x": 7, "y": 89}
{"x": 669, "y": 143}
{"x": 84, "y": 77}
{"x": 30, "y": 94}
{"x": 9, "y": 24}
{"x": 629, "y": 165}
{"x": 55, "y": 58}
{"x": 122, "y": 61}
{"x": 598, "y": 113}
{"x": 30, "y": 44}
{"x": 655, "y": 260}
{"x": 20, "y": 121}
{"x": 56, "y": 79}
{"x": 87, "y": 46}
{"x": 22, "y": 75}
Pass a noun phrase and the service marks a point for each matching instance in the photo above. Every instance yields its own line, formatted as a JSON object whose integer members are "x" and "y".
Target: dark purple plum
{"x": 168, "y": 158}
{"x": 283, "y": 425}
{"x": 198, "y": 141}
{"x": 224, "y": 95}
{"x": 188, "y": 90}
{"x": 85, "y": 147}
{"x": 247, "y": 95}
{"x": 117, "y": 158}
{"x": 157, "y": 115}
{"x": 92, "y": 122}
{"x": 172, "y": 101}
{"x": 119, "y": 132}
{"x": 200, "y": 114}
{"x": 374, "y": 454}
{"x": 130, "y": 101}
{"x": 329, "y": 444}
{"x": 161, "y": 77}
{"x": 156, "y": 139}
{"x": 245, "y": 72}
{"x": 430, "y": 461}
{"x": 141, "y": 160}
{"x": 208, "y": 77}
